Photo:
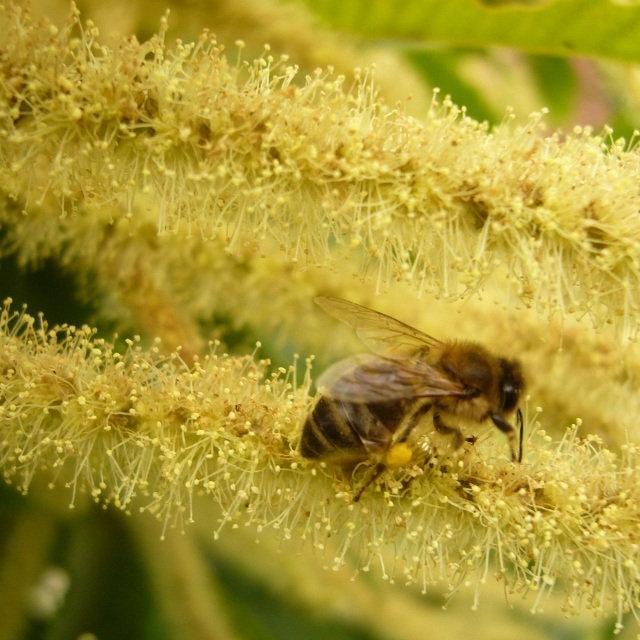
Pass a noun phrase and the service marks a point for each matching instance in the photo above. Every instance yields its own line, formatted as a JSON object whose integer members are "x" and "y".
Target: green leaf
{"x": 598, "y": 28}
{"x": 556, "y": 81}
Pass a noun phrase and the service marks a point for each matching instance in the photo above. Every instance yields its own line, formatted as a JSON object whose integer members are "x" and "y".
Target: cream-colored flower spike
{"x": 249, "y": 152}
{"x": 141, "y": 430}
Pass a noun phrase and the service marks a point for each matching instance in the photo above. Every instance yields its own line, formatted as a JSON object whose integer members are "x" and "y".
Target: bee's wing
{"x": 380, "y": 332}
{"x": 370, "y": 378}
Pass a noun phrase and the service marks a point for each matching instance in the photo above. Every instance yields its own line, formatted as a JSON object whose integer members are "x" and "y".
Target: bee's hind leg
{"x": 441, "y": 427}
{"x": 373, "y": 474}
{"x": 398, "y": 455}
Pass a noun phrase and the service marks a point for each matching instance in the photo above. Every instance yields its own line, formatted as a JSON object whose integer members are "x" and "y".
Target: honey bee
{"x": 370, "y": 403}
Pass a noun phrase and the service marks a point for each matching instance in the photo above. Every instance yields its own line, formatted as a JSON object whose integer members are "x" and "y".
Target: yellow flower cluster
{"x": 120, "y": 425}
{"x": 140, "y": 429}
{"x": 247, "y": 153}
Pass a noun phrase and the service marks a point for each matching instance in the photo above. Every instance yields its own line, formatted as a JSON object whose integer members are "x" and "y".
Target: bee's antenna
{"x": 520, "y": 434}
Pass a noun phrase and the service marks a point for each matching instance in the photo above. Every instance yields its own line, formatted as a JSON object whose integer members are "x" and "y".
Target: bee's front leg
{"x": 441, "y": 427}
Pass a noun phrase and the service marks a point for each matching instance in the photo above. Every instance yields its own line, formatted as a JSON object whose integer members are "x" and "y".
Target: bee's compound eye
{"x": 511, "y": 386}
{"x": 510, "y": 397}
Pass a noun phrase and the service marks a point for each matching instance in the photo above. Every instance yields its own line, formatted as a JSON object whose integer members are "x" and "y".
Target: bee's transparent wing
{"x": 380, "y": 332}
{"x": 370, "y": 378}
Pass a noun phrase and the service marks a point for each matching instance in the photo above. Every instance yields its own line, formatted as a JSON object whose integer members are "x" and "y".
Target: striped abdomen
{"x": 348, "y": 431}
